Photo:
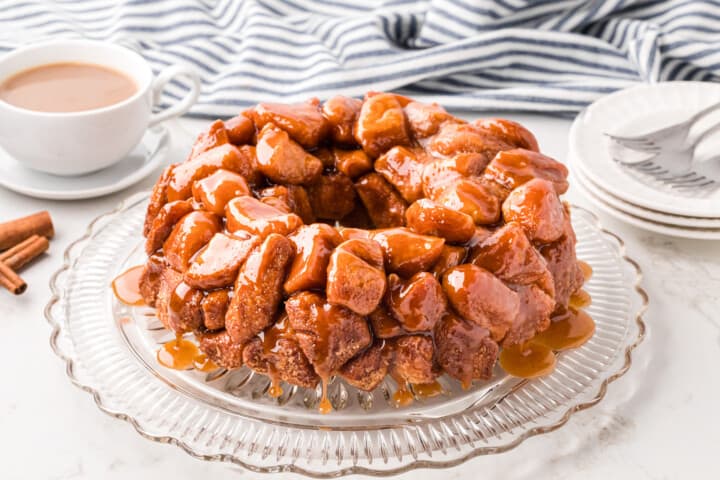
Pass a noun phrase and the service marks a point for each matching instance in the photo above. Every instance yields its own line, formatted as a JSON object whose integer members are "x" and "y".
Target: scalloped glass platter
{"x": 110, "y": 351}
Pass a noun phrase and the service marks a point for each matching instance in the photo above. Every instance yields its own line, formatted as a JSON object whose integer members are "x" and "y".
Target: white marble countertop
{"x": 659, "y": 421}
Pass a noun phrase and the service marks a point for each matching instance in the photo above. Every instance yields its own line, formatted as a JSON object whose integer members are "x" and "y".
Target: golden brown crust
{"x": 258, "y": 288}
{"x": 329, "y": 335}
{"x": 332, "y": 196}
{"x": 214, "y": 307}
{"x": 381, "y": 124}
{"x": 150, "y": 279}
{"x": 214, "y": 136}
{"x": 158, "y": 198}
{"x": 221, "y": 349}
{"x": 341, "y": 113}
{"x": 414, "y": 359}
{"x": 164, "y": 222}
{"x": 465, "y": 350}
{"x": 366, "y": 370}
{"x": 383, "y": 203}
{"x": 216, "y": 265}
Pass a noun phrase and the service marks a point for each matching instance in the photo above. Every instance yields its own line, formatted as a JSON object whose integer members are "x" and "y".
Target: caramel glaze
{"x": 325, "y": 316}
{"x": 569, "y": 328}
{"x": 280, "y": 329}
{"x": 529, "y": 360}
{"x": 324, "y": 406}
{"x": 178, "y": 354}
{"x": 580, "y": 299}
{"x": 402, "y": 396}
{"x": 202, "y": 363}
{"x": 408, "y": 392}
{"x": 179, "y": 298}
{"x": 586, "y": 269}
{"x": 126, "y": 287}
{"x": 182, "y": 354}
{"x": 427, "y": 390}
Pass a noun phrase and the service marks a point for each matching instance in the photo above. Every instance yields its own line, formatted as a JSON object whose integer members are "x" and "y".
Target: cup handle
{"x": 185, "y": 103}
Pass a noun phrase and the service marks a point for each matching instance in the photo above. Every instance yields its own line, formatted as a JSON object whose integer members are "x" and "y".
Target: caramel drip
{"x": 275, "y": 389}
{"x": 586, "y": 269}
{"x": 325, "y": 315}
{"x": 530, "y": 360}
{"x": 568, "y": 329}
{"x": 178, "y": 354}
{"x": 280, "y": 329}
{"x": 580, "y": 299}
{"x": 126, "y": 287}
{"x": 324, "y": 406}
{"x": 427, "y": 390}
{"x": 202, "y": 363}
{"x": 402, "y": 396}
{"x": 178, "y": 299}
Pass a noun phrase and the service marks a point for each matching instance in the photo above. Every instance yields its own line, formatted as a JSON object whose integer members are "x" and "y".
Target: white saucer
{"x": 635, "y": 210}
{"x": 641, "y": 222}
{"x": 139, "y": 163}
{"x": 633, "y": 111}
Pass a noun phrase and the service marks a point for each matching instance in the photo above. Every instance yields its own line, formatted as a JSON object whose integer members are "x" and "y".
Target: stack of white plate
{"x": 637, "y": 198}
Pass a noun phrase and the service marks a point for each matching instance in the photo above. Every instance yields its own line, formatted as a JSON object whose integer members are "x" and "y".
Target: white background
{"x": 662, "y": 420}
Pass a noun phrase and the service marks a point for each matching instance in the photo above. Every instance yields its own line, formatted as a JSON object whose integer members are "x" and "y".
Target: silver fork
{"x": 676, "y": 133}
{"x": 668, "y": 154}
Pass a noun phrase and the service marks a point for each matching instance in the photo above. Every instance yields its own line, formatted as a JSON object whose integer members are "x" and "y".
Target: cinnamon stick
{"x": 24, "y": 252}
{"x": 12, "y": 251}
{"x": 11, "y": 280}
{"x": 15, "y": 231}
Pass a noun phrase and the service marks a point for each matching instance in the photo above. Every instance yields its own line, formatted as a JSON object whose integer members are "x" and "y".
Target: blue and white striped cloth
{"x": 532, "y": 55}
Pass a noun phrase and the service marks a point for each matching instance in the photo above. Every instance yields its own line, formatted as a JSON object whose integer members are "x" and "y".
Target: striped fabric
{"x": 551, "y": 56}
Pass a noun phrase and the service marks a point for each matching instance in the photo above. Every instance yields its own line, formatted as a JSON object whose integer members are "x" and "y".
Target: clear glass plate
{"x": 110, "y": 352}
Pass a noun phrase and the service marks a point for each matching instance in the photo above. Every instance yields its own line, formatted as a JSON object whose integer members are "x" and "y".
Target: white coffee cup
{"x": 75, "y": 143}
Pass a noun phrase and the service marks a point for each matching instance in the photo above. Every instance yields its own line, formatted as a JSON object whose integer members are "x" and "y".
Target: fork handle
{"x": 714, "y": 129}
{"x": 705, "y": 111}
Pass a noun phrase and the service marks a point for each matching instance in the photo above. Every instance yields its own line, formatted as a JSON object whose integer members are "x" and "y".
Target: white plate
{"x": 228, "y": 417}
{"x": 657, "y": 227}
{"x": 633, "y": 111}
{"x": 144, "y": 159}
{"x": 650, "y": 215}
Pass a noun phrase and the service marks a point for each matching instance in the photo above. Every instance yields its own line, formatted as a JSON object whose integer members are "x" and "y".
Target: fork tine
{"x": 690, "y": 180}
{"x": 676, "y": 179}
{"x": 647, "y": 148}
{"x": 686, "y": 180}
{"x": 685, "y": 175}
{"x": 702, "y": 186}
{"x": 682, "y": 128}
{"x": 645, "y": 163}
{"x": 627, "y": 138}
{"x": 632, "y": 143}
{"x": 693, "y": 186}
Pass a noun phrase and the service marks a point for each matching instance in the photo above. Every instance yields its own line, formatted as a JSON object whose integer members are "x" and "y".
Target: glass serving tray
{"x": 110, "y": 349}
